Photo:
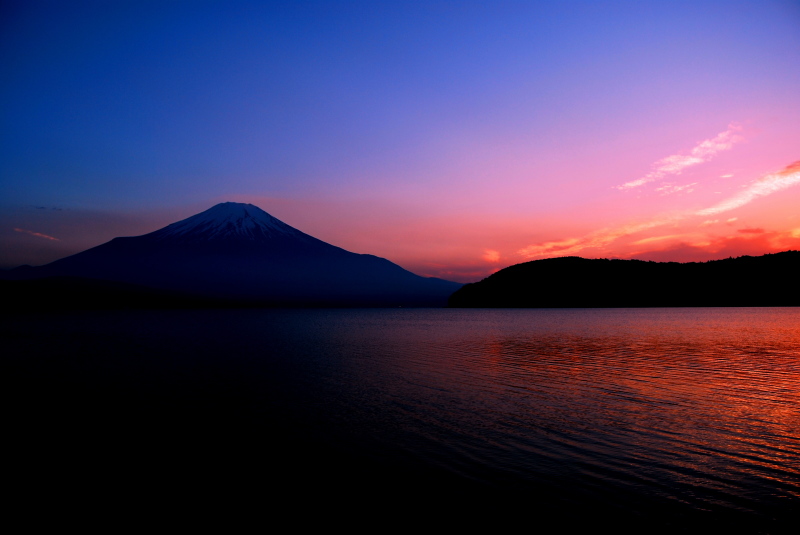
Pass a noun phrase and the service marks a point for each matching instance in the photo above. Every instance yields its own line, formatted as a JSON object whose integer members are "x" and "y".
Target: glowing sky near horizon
{"x": 453, "y": 138}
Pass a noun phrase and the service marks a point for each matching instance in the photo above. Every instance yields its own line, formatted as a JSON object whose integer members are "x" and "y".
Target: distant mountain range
{"x": 232, "y": 253}
{"x": 573, "y": 282}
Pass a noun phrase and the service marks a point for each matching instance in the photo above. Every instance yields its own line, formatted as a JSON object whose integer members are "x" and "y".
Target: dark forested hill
{"x": 769, "y": 280}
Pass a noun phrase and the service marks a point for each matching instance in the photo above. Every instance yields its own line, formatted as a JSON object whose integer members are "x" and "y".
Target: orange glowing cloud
{"x": 724, "y": 246}
{"x": 37, "y": 234}
{"x": 491, "y": 256}
{"x": 594, "y": 240}
{"x": 548, "y": 248}
{"x": 659, "y": 238}
{"x": 701, "y": 153}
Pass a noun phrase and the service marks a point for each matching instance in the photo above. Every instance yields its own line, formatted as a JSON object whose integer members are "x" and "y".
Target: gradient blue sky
{"x": 453, "y": 138}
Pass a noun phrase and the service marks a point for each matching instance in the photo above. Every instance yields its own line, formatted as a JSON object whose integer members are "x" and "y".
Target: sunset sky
{"x": 453, "y": 138}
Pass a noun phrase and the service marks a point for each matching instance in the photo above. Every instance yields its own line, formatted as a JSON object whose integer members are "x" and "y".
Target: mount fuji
{"x": 239, "y": 253}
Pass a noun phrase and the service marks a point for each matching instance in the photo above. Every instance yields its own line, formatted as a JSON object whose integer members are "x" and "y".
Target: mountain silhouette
{"x": 238, "y": 253}
{"x": 574, "y": 282}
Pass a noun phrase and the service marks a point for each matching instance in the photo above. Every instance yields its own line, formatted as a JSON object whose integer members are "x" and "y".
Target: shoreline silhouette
{"x": 574, "y": 282}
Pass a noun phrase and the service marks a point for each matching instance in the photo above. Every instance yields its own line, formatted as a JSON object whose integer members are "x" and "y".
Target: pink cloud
{"x": 701, "y": 153}
{"x": 37, "y": 234}
{"x": 669, "y": 188}
{"x": 766, "y": 185}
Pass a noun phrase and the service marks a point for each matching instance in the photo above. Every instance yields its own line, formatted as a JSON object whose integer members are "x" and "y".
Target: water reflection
{"x": 632, "y": 410}
{"x": 698, "y": 406}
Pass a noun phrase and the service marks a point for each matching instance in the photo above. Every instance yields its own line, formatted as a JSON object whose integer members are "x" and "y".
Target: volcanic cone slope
{"x": 238, "y": 252}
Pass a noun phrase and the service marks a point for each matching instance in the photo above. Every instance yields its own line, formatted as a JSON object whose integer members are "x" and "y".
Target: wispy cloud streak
{"x": 767, "y": 185}
{"x": 37, "y": 234}
{"x": 786, "y": 177}
{"x": 598, "y": 239}
{"x": 669, "y": 188}
{"x": 702, "y": 152}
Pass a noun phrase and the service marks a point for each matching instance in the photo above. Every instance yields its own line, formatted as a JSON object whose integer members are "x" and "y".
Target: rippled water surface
{"x": 642, "y": 411}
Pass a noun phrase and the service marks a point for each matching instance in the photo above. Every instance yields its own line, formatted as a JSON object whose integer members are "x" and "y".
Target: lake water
{"x": 638, "y": 417}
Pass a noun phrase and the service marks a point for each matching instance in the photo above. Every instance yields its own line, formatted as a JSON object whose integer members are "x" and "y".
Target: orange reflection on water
{"x": 715, "y": 397}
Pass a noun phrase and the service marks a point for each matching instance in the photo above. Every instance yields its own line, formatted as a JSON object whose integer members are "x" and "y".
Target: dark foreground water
{"x": 635, "y": 418}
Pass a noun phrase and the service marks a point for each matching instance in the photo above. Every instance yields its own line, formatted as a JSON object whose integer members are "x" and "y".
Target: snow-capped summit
{"x": 229, "y": 220}
{"x": 238, "y": 252}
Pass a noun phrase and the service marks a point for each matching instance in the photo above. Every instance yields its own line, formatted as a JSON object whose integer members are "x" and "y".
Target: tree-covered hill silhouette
{"x": 574, "y": 282}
